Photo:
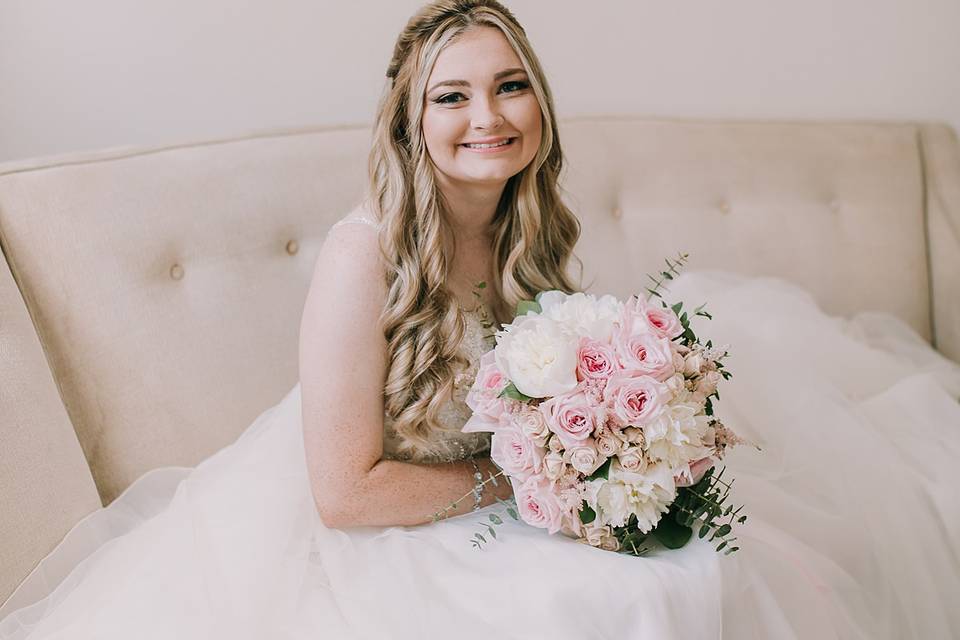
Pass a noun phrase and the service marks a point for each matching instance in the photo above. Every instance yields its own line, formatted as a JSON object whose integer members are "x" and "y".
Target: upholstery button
{"x": 617, "y": 212}
{"x": 724, "y": 206}
{"x": 292, "y": 247}
{"x": 835, "y": 205}
{"x": 176, "y": 272}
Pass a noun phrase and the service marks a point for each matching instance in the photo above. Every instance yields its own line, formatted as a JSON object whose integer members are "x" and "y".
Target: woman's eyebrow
{"x": 464, "y": 83}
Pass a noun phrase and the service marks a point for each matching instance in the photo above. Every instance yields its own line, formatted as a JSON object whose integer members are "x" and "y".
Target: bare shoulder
{"x": 342, "y": 351}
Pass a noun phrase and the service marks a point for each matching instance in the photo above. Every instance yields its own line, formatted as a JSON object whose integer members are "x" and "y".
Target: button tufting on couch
{"x": 159, "y": 284}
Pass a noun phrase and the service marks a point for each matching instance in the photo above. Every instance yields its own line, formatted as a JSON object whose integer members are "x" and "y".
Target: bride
{"x": 318, "y": 521}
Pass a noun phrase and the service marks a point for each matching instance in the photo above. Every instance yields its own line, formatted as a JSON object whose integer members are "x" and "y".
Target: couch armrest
{"x": 940, "y": 154}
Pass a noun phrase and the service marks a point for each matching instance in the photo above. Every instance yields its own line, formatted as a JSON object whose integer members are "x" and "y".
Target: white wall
{"x": 102, "y": 73}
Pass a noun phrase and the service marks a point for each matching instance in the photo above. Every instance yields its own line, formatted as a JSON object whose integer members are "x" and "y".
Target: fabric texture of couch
{"x": 150, "y": 299}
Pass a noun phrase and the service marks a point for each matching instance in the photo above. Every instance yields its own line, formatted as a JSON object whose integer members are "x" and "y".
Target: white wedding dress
{"x": 853, "y": 528}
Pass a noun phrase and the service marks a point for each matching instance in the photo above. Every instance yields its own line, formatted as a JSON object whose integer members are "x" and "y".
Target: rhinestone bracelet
{"x": 478, "y": 485}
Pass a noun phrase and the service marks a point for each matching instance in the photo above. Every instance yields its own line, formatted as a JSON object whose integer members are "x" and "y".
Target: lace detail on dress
{"x": 451, "y": 443}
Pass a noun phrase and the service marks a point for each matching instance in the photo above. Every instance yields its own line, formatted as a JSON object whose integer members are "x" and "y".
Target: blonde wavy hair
{"x": 534, "y": 232}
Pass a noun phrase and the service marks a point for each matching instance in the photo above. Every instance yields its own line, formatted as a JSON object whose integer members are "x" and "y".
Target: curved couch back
{"x": 166, "y": 285}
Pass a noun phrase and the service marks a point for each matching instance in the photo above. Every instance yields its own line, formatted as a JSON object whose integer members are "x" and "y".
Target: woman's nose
{"x": 485, "y": 115}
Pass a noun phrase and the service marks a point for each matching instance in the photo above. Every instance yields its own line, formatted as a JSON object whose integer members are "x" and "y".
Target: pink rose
{"x": 515, "y": 453}
{"x": 695, "y": 474}
{"x": 537, "y": 504}
{"x": 571, "y": 416}
{"x": 664, "y": 321}
{"x": 595, "y": 360}
{"x": 483, "y": 397}
{"x": 645, "y": 353}
{"x": 635, "y": 400}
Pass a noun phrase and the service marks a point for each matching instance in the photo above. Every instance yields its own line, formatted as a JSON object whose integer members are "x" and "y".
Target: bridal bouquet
{"x": 601, "y": 416}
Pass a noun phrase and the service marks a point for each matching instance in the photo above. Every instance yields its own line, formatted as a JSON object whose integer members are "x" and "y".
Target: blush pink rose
{"x": 537, "y": 503}
{"x": 595, "y": 360}
{"x": 662, "y": 321}
{"x": 635, "y": 400}
{"x": 697, "y": 469}
{"x": 515, "y": 453}
{"x": 646, "y": 354}
{"x": 571, "y": 416}
{"x": 483, "y": 397}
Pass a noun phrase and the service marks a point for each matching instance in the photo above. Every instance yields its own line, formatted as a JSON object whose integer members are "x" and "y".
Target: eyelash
{"x": 521, "y": 86}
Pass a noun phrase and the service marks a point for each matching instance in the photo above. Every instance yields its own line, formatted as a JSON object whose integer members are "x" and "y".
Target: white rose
{"x": 676, "y": 382}
{"x": 554, "y": 444}
{"x": 707, "y": 383}
{"x": 692, "y": 363}
{"x": 632, "y": 459}
{"x": 553, "y": 465}
{"x": 538, "y": 357}
{"x": 584, "y": 458}
{"x": 609, "y": 542}
{"x": 608, "y": 444}
{"x": 533, "y": 425}
{"x": 582, "y": 314}
{"x": 634, "y": 435}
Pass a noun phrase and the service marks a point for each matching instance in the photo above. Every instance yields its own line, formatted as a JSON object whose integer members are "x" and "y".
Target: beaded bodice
{"x": 447, "y": 443}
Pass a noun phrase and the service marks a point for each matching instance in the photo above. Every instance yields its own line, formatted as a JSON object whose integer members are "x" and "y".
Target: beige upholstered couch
{"x": 150, "y": 298}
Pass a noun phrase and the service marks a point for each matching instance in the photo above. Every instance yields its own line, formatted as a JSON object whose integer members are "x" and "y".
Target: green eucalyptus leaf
{"x": 671, "y": 533}
{"x": 526, "y": 306}
{"x": 587, "y": 515}
{"x": 603, "y": 471}
{"x": 511, "y": 391}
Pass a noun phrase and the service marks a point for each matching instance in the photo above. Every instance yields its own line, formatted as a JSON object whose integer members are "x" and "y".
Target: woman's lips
{"x": 497, "y": 149}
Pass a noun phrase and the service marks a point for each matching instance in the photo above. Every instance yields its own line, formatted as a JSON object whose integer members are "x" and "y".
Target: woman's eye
{"x": 444, "y": 98}
{"x": 520, "y": 85}
{"x": 451, "y": 98}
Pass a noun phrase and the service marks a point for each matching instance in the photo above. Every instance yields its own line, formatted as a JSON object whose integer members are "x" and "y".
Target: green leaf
{"x": 513, "y": 513}
{"x": 723, "y": 530}
{"x": 526, "y": 306}
{"x": 587, "y": 515}
{"x": 511, "y": 391}
{"x": 704, "y": 530}
{"x": 603, "y": 471}
{"x": 477, "y": 535}
{"x": 676, "y": 308}
{"x": 671, "y": 533}
{"x": 492, "y": 532}
{"x": 667, "y": 275}
{"x": 495, "y": 519}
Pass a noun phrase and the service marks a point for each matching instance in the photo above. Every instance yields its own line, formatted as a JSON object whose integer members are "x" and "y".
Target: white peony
{"x": 538, "y": 356}
{"x": 581, "y": 313}
{"x": 646, "y": 495}
{"x": 676, "y": 437}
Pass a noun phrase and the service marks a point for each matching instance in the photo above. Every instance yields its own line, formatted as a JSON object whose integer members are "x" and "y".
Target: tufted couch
{"x": 150, "y": 298}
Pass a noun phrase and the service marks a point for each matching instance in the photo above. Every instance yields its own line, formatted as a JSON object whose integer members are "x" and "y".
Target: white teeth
{"x": 487, "y": 146}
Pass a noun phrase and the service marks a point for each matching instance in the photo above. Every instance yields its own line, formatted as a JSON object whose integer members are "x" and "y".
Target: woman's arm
{"x": 343, "y": 365}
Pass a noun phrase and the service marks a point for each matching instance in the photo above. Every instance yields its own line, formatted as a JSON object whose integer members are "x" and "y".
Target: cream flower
{"x": 538, "y": 357}
{"x": 676, "y": 436}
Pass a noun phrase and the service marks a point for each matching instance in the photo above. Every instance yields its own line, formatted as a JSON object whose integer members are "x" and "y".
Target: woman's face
{"x": 478, "y": 92}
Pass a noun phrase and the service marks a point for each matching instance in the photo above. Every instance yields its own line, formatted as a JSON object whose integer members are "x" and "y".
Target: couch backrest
{"x": 45, "y": 484}
{"x": 167, "y": 284}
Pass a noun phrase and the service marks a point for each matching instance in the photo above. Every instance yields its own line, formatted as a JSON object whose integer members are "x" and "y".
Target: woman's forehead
{"x": 476, "y": 54}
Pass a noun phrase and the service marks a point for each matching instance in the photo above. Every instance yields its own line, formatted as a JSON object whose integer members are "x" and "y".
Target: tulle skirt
{"x": 853, "y": 526}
